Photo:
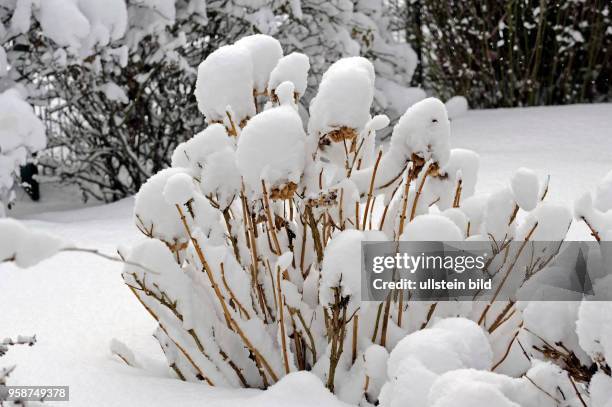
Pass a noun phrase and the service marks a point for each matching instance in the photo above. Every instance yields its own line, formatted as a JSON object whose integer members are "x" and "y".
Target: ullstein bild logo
{"x": 483, "y": 271}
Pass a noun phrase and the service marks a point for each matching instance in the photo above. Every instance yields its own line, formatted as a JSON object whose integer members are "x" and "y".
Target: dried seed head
{"x": 283, "y": 192}
{"x": 341, "y": 134}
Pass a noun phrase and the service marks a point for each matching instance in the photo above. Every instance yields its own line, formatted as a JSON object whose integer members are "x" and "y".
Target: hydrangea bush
{"x": 252, "y": 263}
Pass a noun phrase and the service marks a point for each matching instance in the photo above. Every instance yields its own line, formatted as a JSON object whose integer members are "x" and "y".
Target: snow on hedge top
{"x": 265, "y": 52}
{"x": 24, "y": 246}
{"x": 424, "y": 130}
{"x": 271, "y": 148}
{"x": 293, "y": 68}
{"x": 19, "y": 126}
{"x": 344, "y": 97}
{"x": 225, "y": 82}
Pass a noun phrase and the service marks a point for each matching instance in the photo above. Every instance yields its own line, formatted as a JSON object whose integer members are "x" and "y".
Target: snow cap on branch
{"x": 153, "y": 214}
{"x": 265, "y": 52}
{"x": 194, "y": 152}
{"x": 225, "y": 83}
{"x": 431, "y": 227}
{"x": 525, "y": 188}
{"x": 271, "y": 148}
{"x": 293, "y": 68}
{"x": 344, "y": 97}
{"x": 24, "y": 246}
{"x": 424, "y": 130}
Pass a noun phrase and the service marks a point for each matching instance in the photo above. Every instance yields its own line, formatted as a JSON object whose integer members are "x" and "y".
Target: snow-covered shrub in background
{"x": 21, "y": 134}
{"x": 117, "y": 77}
{"x": 258, "y": 277}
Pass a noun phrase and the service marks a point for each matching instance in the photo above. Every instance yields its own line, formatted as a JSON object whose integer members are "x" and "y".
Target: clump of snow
{"x": 553, "y": 221}
{"x": 344, "y": 97}
{"x": 24, "y": 246}
{"x": 424, "y": 130}
{"x": 153, "y": 214}
{"x": 499, "y": 209}
{"x": 80, "y": 25}
{"x": 456, "y": 106}
{"x": 293, "y": 68}
{"x": 431, "y": 227}
{"x": 525, "y": 188}
{"x": 122, "y": 351}
{"x": 113, "y": 92}
{"x": 194, "y": 152}
{"x": 271, "y": 148}
{"x": 179, "y": 189}
{"x": 342, "y": 264}
{"x": 594, "y": 329}
{"x": 63, "y": 22}
{"x": 21, "y": 133}
{"x": 285, "y": 92}
{"x": 299, "y": 389}
{"x": 220, "y": 177}
{"x": 417, "y": 360}
{"x": 19, "y": 126}
{"x": 225, "y": 83}
{"x": 265, "y": 52}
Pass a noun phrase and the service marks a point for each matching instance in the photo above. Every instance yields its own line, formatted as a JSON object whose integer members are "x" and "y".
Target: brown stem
{"x": 282, "y": 320}
{"x": 270, "y": 221}
{"x": 501, "y": 284}
{"x": 365, "y": 213}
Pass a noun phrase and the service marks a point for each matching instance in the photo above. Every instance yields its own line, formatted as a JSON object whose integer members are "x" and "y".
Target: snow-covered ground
{"x": 77, "y": 303}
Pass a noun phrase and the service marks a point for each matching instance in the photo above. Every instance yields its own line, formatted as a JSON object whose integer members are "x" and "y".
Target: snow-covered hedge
{"x": 21, "y": 133}
{"x": 255, "y": 240}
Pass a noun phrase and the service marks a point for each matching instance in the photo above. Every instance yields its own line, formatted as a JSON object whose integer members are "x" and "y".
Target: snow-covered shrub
{"x": 21, "y": 134}
{"x": 255, "y": 247}
{"x": 115, "y": 79}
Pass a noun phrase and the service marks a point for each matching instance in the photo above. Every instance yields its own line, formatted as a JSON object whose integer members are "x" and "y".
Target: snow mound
{"x": 417, "y": 360}
{"x": 298, "y": 389}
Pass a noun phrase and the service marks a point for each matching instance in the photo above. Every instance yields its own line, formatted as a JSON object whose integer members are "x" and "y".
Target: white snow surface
{"x": 271, "y": 148}
{"x": 293, "y": 68}
{"x": 225, "y": 80}
{"x": 74, "y": 320}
